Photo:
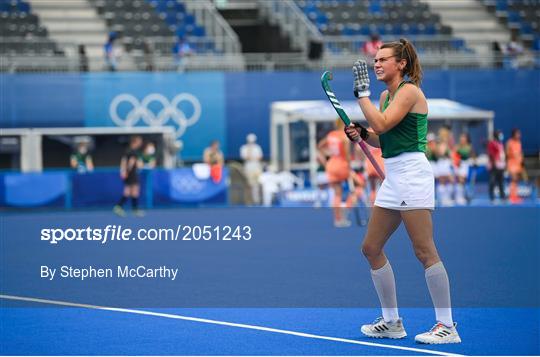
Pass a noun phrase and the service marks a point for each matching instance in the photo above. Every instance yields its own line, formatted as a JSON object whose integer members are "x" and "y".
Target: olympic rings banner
{"x": 203, "y": 106}
{"x": 193, "y": 104}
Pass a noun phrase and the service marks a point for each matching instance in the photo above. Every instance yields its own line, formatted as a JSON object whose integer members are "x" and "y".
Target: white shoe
{"x": 447, "y": 202}
{"x": 344, "y": 223}
{"x": 439, "y": 334}
{"x": 382, "y": 329}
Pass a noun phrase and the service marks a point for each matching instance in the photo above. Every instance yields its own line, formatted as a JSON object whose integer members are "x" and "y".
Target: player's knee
{"x": 424, "y": 254}
{"x": 371, "y": 250}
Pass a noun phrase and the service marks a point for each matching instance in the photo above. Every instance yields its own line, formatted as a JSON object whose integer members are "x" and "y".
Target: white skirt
{"x": 444, "y": 167}
{"x": 409, "y": 183}
{"x": 463, "y": 169}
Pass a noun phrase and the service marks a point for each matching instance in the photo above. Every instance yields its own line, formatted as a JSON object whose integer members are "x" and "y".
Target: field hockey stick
{"x": 472, "y": 183}
{"x": 327, "y": 76}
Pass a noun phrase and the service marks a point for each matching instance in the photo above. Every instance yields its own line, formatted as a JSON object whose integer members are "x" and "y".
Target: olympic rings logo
{"x": 186, "y": 184}
{"x": 170, "y": 111}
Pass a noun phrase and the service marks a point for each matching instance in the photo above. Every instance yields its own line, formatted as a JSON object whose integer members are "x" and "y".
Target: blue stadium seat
{"x": 23, "y": 7}
{"x": 501, "y": 5}
{"x": 458, "y": 44}
{"x": 375, "y": 6}
{"x": 431, "y": 29}
{"x": 526, "y": 28}
{"x": 514, "y": 16}
{"x": 199, "y": 31}
{"x": 536, "y": 44}
{"x": 365, "y": 30}
{"x": 189, "y": 19}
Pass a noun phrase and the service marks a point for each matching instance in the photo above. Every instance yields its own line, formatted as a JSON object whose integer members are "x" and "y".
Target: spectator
{"x": 213, "y": 157}
{"x": 269, "y": 181}
{"x": 251, "y": 153}
{"x": 148, "y": 156}
{"x": 80, "y": 159}
{"x": 148, "y": 53}
{"x": 514, "y": 49}
{"x": 83, "y": 59}
{"x": 498, "y": 54}
{"x": 371, "y": 47}
{"x": 112, "y": 53}
{"x": 129, "y": 172}
{"x": 496, "y": 165}
{"x": 181, "y": 53}
{"x": 514, "y": 155}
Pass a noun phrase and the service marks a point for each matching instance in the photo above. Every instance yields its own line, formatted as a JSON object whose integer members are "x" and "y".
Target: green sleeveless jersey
{"x": 431, "y": 155}
{"x": 464, "y": 152}
{"x": 408, "y": 136}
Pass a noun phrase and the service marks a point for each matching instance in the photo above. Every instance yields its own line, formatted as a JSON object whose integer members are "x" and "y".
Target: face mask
{"x": 150, "y": 151}
{"x": 501, "y": 137}
{"x": 83, "y": 150}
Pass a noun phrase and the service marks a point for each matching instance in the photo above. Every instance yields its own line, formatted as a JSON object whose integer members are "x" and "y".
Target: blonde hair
{"x": 339, "y": 124}
{"x": 405, "y": 50}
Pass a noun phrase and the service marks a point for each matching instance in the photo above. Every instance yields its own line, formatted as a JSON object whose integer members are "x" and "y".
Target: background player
{"x": 445, "y": 176}
{"x": 129, "y": 172}
{"x": 213, "y": 157}
{"x": 514, "y": 156}
{"x": 496, "y": 165}
{"x": 80, "y": 159}
{"x": 337, "y": 147}
{"x": 463, "y": 157}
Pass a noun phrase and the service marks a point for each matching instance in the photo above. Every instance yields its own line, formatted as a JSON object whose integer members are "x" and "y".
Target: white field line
{"x": 224, "y": 323}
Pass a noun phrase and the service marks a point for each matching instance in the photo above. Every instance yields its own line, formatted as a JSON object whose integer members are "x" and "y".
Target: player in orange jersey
{"x": 337, "y": 147}
{"x": 514, "y": 165}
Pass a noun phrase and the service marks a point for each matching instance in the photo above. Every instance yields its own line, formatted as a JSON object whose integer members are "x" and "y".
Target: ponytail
{"x": 404, "y": 50}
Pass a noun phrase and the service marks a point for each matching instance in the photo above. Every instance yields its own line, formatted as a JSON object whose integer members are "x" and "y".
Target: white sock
{"x": 385, "y": 284}
{"x": 441, "y": 191}
{"x": 448, "y": 191}
{"x": 439, "y": 289}
{"x": 460, "y": 192}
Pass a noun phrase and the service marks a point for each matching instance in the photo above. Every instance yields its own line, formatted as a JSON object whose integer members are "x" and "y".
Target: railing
{"x": 38, "y": 63}
{"x": 285, "y": 13}
{"x": 353, "y": 43}
{"x": 275, "y": 61}
{"x": 205, "y": 12}
{"x": 207, "y": 57}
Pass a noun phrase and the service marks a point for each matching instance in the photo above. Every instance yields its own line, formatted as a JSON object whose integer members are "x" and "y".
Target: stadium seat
{"x": 389, "y": 18}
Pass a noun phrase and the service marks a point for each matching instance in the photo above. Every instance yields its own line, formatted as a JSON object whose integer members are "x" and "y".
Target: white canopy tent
{"x": 313, "y": 112}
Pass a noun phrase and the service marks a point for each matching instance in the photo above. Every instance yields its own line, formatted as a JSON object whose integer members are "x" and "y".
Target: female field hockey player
{"x": 129, "y": 172}
{"x": 337, "y": 168}
{"x": 399, "y": 128}
{"x": 514, "y": 165}
{"x": 464, "y": 155}
{"x": 445, "y": 175}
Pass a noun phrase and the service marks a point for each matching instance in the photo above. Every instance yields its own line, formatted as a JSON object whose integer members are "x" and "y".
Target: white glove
{"x": 361, "y": 79}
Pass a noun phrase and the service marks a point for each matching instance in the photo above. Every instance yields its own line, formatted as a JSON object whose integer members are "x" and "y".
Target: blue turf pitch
{"x": 298, "y": 274}
{"x": 68, "y": 331}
